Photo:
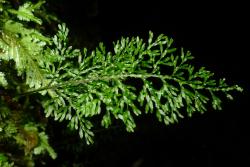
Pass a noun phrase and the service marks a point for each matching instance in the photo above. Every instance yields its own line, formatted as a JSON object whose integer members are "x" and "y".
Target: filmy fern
{"x": 77, "y": 85}
{"x": 85, "y": 84}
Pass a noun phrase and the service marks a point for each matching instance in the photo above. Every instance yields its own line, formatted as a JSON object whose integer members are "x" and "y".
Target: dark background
{"x": 217, "y": 36}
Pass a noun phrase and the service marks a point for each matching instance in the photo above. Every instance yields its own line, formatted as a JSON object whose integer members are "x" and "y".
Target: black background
{"x": 217, "y": 36}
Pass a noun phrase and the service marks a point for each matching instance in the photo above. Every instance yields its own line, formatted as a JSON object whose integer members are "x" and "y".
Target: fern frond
{"x": 101, "y": 78}
{"x": 25, "y": 12}
{"x": 25, "y": 47}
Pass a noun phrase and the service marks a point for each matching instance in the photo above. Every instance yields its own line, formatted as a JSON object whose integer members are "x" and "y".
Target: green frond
{"x": 25, "y": 12}
{"x": 25, "y": 47}
{"x": 105, "y": 83}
